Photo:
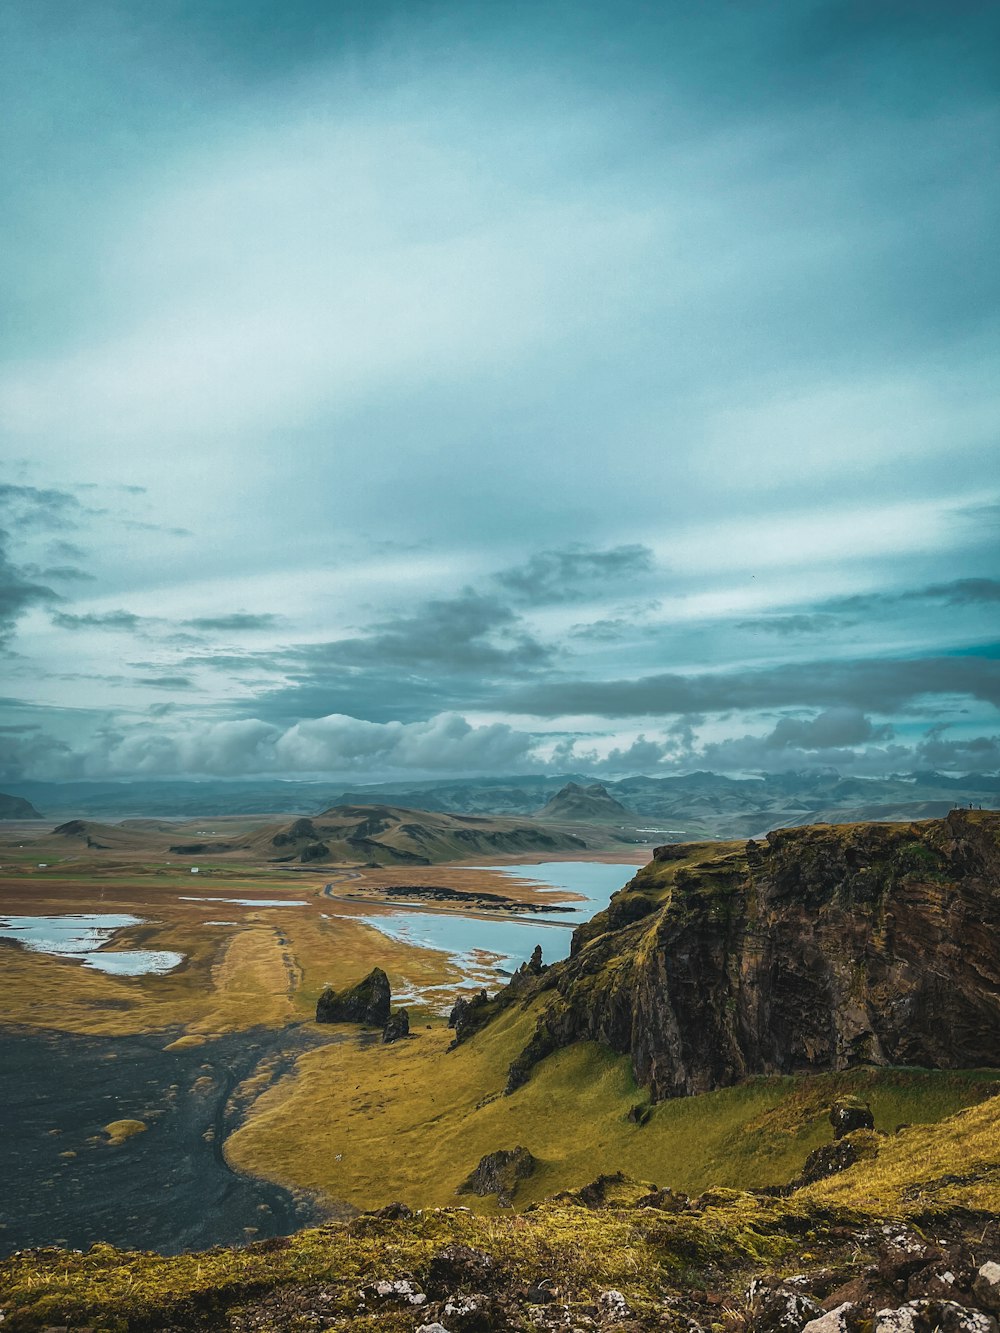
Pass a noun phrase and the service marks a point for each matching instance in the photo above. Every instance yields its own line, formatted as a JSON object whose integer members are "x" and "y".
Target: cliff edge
{"x": 817, "y": 949}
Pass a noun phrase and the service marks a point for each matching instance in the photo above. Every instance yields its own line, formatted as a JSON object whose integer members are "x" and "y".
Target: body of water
{"x": 83, "y": 937}
{"x": 247, "y": 902}
{"x": 510, "y": 940}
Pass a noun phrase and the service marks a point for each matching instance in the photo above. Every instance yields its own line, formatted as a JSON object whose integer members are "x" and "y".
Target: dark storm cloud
{"x": 467, "y": 633}
{"x": 18, "y": 591}
{"x": 976, "y": 754}
{"x": 574, "y": 573}
{"x": 833, "y": 728}
{"x": 881, "y": 685}
{"x": 33, "y": 507}
{"x": 237, "y": 621}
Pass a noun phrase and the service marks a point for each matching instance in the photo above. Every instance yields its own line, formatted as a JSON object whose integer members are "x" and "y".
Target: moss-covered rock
{"x": 368, "y": 1002}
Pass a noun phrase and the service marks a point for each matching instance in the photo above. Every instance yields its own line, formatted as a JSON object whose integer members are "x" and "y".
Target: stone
{"x": 460, "y": 1268}
{"x": 801, "y": 914}
{"x": 432, "y": 1328}
{"x": 902, "y": 1320}
{"x": 926, "y": 1316}
{"x": 613, "y": 1306}
{"x": 935, "y": 1282}
{"x": 839, "y": 1320}
{"x": 397, "y": 1027}
{"x": 368, "y": 1002}
{"x": 954, "y": 1318}
{"x": 500, "y": 1173}
{"x": 828, "y": 1160}
{"x": 846, "y": 1117}
{"x": 780, "y": 1308}
{"x": 986, "y": 1286}
{"x": 902, "y": 1252}
{"x": 398, "y": 1291}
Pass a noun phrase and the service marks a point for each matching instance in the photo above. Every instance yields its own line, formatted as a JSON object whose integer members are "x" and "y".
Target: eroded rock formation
{"x": 368, "y": 1002}
{"x": 818, "y": 949}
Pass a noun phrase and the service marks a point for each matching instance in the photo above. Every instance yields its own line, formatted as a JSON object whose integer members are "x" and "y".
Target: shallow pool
{"x": 83, "y": 936}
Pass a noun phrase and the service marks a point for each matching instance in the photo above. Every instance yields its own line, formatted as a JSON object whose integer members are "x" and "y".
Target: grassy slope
{"x": 409, "y": 1121}
{"x": 927, "y": 1168}
{"x": 642, "y": 1253}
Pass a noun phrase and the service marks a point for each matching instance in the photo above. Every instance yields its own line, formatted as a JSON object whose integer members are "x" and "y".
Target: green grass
{"x": 411, "y": 1120}
{"x": 643, "y": 1253}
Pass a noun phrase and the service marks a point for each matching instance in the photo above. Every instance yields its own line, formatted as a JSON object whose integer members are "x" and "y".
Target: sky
{"x": 456, "y": 388}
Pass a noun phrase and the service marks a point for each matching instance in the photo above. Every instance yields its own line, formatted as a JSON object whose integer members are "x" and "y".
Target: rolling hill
{"x": 393, "y": 835}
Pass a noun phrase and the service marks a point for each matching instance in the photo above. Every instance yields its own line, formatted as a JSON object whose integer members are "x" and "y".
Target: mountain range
{"x": 691, "y": 805}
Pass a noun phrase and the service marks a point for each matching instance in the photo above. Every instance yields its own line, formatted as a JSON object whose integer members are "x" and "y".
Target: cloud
{"x": 39, "y": 507}
{"x": 166, "y": 682}
{"x": 18, "y": 592}
{"x": 236, "y": 621}
{"x": 832, "y": 728}
{"x": 881, "y": 685}
{"x": 64, "y": 573}
{"x": 331, "y": 745}
{"x": 112, "y": 620}
{"x": 467, "y": 633}
{"x": 788, "y": 626}
{"x": 977, "y": 754}
{"x": 959, "y": 592}
{"x": 574, "y": 573}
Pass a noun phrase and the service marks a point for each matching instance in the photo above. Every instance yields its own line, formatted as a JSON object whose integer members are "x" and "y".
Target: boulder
{"x": 928, "y": 1316}
{"x": 902, "y": 1252}
{"x": 460, "y": 1268}
{"x": 831, "y": 1158}
{"x": 397, "y": 1027}
{"x": 842, "y": 1319}
{"x": 779, "y": 1308}
{"x": 367, "y": 1002}
{"x": 613, "y": 1306}
{"x": 500, "y": 1173}
{"x": 846, "y": 1117}
{"x": 986, "y": 1286}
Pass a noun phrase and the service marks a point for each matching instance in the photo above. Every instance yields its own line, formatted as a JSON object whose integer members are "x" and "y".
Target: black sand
{"x": 168, "y": 1189}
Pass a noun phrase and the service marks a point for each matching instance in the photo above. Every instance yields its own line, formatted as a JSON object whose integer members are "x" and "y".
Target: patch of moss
{"x": 120, "y": 1130}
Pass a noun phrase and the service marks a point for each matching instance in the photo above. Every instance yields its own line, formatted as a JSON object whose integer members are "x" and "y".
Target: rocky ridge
{"x": 816, "y": 949}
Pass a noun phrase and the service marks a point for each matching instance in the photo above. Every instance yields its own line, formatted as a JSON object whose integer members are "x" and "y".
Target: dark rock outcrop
{"x": 397, "y": 1027}
{"x": 834, "y": 1157}
{"x": 846, "y": 1117}
{"x": 500, "y": 1173}
{"x": 822, "y": 948}
{"x": 468, "y": 1016}
{"x": 367, "y": 1002}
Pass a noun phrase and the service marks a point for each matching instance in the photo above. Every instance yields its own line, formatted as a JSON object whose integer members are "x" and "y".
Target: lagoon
{"x": 508, "y": 941}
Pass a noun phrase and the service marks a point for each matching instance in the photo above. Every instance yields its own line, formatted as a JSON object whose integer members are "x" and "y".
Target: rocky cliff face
{"x": 817, "y": 949}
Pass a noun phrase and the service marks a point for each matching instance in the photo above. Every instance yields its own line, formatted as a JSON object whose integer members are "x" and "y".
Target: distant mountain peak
{"x": 594, "y": 803}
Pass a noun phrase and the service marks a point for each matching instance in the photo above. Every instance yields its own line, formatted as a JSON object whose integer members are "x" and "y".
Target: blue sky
{"x": 438, "y": 388}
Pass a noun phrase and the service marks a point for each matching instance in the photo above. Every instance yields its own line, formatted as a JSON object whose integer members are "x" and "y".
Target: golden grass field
{"x": 244, "y": 966}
